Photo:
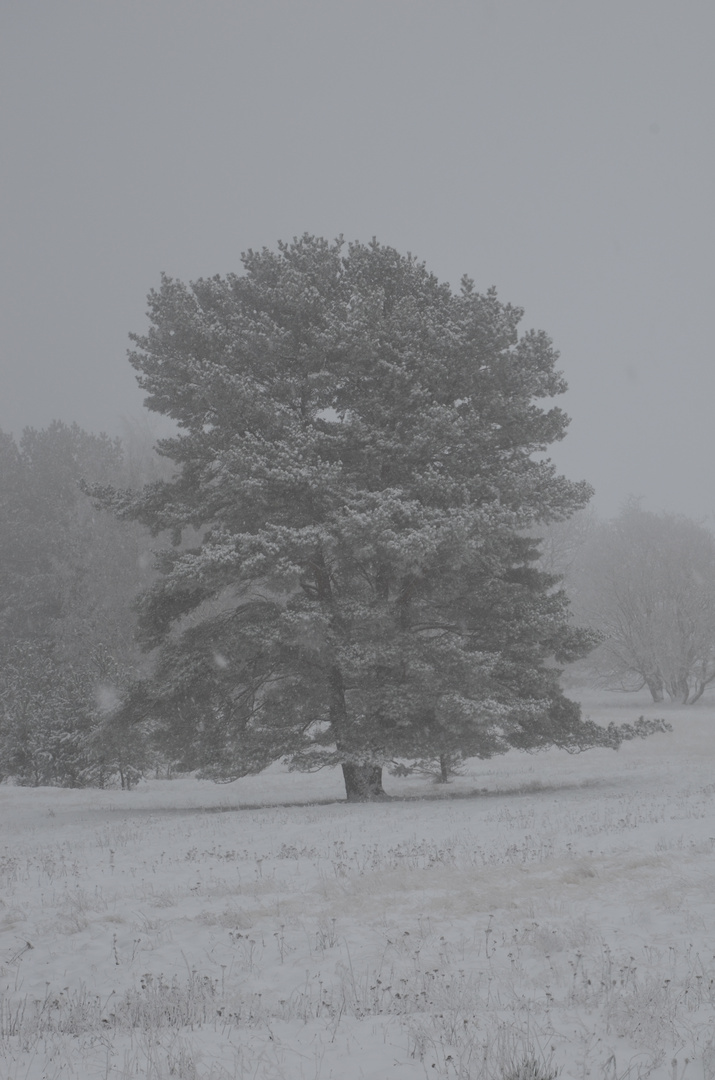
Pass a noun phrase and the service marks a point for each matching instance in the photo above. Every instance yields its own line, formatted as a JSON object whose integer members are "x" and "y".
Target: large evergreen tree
{"x": 359, "y": 459}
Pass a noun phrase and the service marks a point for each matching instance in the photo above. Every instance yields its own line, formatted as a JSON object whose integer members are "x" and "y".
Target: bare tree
{"x": 647, "y": 583}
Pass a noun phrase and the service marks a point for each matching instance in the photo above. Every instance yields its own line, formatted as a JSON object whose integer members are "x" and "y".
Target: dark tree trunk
{"x": 363, "y": 783}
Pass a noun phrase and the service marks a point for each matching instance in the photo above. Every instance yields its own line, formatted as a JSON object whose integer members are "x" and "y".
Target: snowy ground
{"x": 547, "y": 907}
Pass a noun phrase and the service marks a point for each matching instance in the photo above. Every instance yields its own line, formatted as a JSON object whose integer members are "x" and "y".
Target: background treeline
{"x": 70, "y": 575}
{"x": 68, "y": 578}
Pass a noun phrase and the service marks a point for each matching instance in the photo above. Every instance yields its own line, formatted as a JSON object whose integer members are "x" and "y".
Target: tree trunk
{"x": 678, "y": 689}
{"x": 699, "y": 690}
{"x": 363, "y": 783}
{"x": 443, "y": 777}
{"x": 655, "y": 685}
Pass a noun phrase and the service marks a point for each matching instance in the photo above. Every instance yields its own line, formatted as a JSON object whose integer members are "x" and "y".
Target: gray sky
{"x": 562, "y": 150}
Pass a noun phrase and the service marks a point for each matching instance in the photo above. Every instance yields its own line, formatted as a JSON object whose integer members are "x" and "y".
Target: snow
{"x": 548, "y": 906}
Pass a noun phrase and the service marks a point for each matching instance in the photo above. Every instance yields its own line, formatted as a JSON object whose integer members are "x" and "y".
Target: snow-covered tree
{"x": 359, "y": 454}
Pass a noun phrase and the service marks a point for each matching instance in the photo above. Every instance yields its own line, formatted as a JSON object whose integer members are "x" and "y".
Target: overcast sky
{"x": 562, "y": 150}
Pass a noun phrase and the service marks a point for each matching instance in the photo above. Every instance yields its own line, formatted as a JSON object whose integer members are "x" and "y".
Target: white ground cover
{"x": 552, "y": 908}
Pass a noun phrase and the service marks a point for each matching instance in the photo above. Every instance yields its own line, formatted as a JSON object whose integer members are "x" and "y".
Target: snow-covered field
{"x": 542, "y": 907}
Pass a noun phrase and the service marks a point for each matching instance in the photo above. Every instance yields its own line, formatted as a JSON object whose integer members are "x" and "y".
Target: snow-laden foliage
{"x": 360, "y": 457}
{"x": 46, "y": 721}
{"x": 58, "y": 725}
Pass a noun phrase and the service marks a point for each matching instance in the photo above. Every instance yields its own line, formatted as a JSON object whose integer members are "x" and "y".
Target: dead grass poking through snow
{"x": 560, "y": 927}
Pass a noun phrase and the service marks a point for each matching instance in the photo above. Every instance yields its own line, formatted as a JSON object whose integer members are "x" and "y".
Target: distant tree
{"x": 97, "y": 565}
{"x": 44, "y": 529}
{"x": 28, "y": 598}
{"x": 647, "y": 582}
{"x": 47, "y": 717}
{"x": 141, "y": 464}
{"x": 68, "y": 573}
{"x": 356, "y": 455}
{"x": 562, "y": 544}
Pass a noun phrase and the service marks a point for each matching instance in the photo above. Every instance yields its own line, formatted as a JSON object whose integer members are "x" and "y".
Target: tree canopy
{"x": 359, "y": 460}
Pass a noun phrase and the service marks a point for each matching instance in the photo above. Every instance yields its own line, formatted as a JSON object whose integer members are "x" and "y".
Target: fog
{"x": 562, "y": 152}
